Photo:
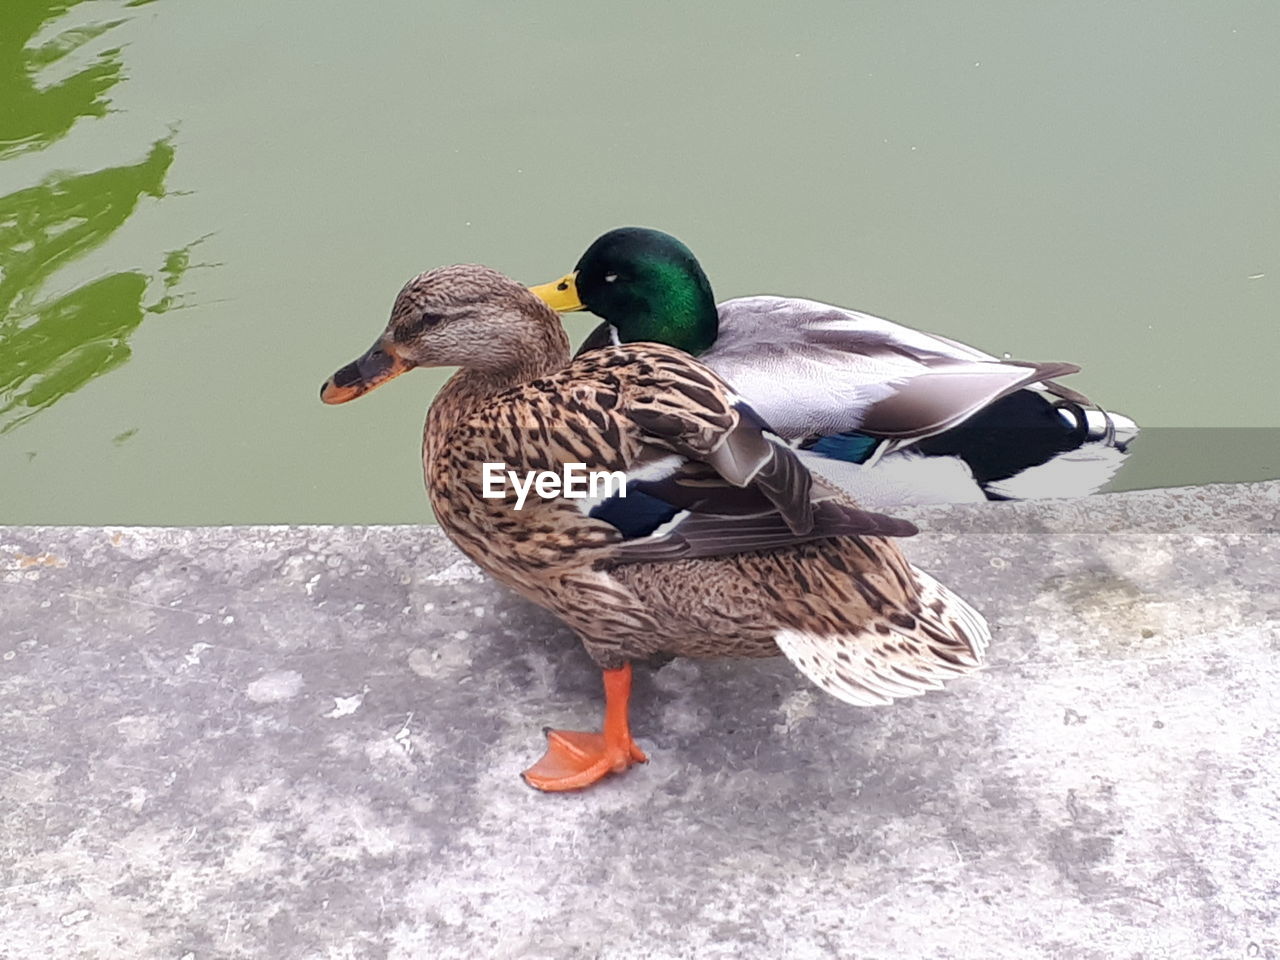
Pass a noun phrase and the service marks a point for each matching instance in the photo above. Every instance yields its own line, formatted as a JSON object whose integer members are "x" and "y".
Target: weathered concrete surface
{"x": 277, "y": 742}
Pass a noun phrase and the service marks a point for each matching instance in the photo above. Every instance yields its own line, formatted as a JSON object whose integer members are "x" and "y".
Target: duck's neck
{"x": 689, "y": 324}
{"x": 675, "y": 306}
{"x": 471, "y": 388}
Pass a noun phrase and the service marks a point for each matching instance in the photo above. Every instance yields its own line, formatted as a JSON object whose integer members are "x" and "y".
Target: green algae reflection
{"x": 51, "y": 344}
{"x": 33, "y": 115}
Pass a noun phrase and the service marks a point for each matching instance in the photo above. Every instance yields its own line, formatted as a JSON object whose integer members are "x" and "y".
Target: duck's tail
{"x": 899, "y": 654}
{"x": 1031, "y": 445}
{"x": 1096, "y": 444}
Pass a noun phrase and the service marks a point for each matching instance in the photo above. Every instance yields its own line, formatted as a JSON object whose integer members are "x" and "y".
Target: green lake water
{"x": 206, "y": 208}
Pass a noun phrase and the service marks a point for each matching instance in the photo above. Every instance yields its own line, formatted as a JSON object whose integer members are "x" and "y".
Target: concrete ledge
{"x": 304, "y": 742}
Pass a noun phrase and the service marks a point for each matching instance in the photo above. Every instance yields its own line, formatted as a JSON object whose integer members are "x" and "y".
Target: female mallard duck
{"x": 938, "y": 420}
{"x": 719, "y": 544}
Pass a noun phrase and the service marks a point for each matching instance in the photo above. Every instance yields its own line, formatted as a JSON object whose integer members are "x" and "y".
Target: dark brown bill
{"x": 376, "y": 367}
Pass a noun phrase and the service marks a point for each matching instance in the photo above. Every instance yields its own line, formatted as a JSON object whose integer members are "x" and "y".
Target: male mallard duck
{"x": 720, "y": 544}
{"x": 938, "y": 420}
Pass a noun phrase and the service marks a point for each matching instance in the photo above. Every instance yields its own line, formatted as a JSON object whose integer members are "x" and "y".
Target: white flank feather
{"x": 899, "y": 479}
{"x": 1076, "y": 473}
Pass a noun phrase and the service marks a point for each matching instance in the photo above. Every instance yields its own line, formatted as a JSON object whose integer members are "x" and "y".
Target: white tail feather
{"x": 865, "y": 667}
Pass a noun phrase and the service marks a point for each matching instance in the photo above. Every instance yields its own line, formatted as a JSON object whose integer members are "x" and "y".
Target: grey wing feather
{"x": 940, "y": 398}
{"x": 810, "y": 368}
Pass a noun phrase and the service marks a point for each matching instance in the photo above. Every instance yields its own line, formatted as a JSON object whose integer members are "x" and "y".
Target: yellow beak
{"x": 560, "y": 295}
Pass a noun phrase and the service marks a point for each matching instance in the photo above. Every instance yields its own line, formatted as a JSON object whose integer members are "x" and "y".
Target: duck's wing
{"x": 811, "y": 369}
{"x": 688, "y": 511}
{"x": 709, "y": 477}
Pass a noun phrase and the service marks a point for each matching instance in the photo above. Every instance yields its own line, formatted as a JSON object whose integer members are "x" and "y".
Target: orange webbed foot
{"x": 575, "y": 760}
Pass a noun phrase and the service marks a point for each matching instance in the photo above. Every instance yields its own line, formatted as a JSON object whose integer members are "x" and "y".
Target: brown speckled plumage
{"x": 840, "y": 601}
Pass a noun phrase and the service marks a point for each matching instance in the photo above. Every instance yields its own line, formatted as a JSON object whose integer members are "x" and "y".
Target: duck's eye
{"x": 415, "y": 328}
{"x": 610, "y": 277}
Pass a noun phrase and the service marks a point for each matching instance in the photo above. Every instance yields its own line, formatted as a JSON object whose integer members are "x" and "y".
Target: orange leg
{"x": 575, "y": 760}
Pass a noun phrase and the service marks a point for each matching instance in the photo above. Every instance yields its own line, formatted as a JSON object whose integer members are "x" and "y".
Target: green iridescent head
{"x": 643, "y": 283}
